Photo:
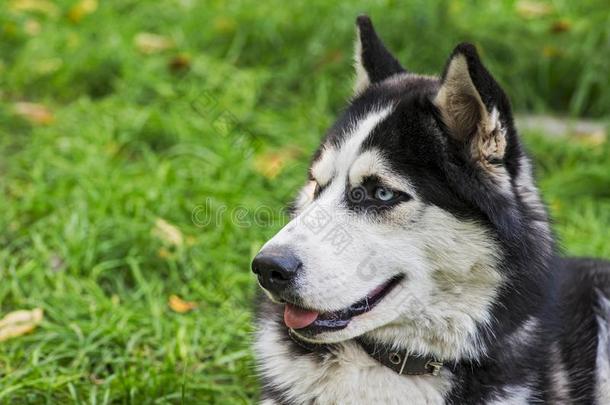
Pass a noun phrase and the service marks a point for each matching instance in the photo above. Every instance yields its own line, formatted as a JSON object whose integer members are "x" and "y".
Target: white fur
{"x": 513, "y": 395}
{"x": 362, "y": 80}
{"x": 323, "y": 169}
{"x": 560, "y": 385}
{"x": 602, "y": 374}
{"x": 348, "y": 376}
{"x": 525, "y": 333}
{"x": 372, "y": 163}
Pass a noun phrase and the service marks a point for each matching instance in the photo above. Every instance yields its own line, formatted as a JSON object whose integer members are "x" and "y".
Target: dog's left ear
{"x": 372, "y": 60}
{"x": 472, "y": 104}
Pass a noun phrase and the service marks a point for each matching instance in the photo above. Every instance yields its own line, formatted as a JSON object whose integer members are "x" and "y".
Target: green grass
{"x": 134, "y": 140}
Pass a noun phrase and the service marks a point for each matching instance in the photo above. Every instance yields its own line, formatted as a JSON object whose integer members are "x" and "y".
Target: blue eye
{"x": 384, "y": 194}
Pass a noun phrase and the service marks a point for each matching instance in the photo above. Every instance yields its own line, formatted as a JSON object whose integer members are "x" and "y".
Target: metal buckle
{"x": 436, "y": 367}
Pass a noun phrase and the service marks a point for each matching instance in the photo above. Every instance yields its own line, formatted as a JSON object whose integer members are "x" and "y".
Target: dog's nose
{"x": 276, "y": 268}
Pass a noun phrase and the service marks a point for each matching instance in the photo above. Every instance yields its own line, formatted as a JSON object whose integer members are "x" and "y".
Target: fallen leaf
{"x": 561, "y": 26}
{"x": 82, "y": 9}
{"x": 41, "y": 6}
{"x": 34, "y": 113}
{"x": 149, "y": 43}
{"x": 270, "y": 164}
{"x": 19, "y": 323}
{"x": 32, "y": 27}
{"x": 168, "y": 233}
{"x": 179, "y": 305}
{"x": 179, "y": 63}
{"x": 593, "y": 138}
{"x": 533, "y": 9}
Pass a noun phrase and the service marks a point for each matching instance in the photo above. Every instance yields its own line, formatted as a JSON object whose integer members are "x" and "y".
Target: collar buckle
{"x": 435, "y": 367}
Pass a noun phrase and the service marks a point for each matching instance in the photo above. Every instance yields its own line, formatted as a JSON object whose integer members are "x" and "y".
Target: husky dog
{"x": 419, "y": 267}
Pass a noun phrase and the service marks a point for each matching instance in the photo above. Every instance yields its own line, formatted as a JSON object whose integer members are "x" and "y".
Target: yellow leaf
{"x": 42, "y": 6}
{"x": 149, "y": 43}
{"x": 179, "y": 305}
{"x": 270, "y": 164}
{"x": 533, "y": 9}
{"x": 19, "y": 323}
{"x": 34, "y": 113}
{"x": 595, "y": 137}
{"x": 82, "y": 9}
{"x": 168, "y": 233}
{"x": 32, "y": 27}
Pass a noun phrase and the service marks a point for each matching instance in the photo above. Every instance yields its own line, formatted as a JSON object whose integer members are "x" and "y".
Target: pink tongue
{"x": 297, "y": 318}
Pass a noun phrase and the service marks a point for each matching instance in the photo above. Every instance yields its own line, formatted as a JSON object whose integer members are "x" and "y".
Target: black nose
{"x": 276, "y": 268}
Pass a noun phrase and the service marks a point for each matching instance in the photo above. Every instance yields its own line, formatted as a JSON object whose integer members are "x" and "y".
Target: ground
{"x": 147, "y": 150}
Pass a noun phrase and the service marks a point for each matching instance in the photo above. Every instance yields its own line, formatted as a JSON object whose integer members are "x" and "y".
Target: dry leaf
{"x": 561, "y": 26}
{"x": 179, "y": 305}
{"x": 19, "y": 323}
{"x": 32, "y": 27}
{"x": 533, "y": 9}
{"x": 82, "y": 9}
{"x": 179, "y": 63}
{"x": 34, "y": 113}
{"x": 42, "y": 6}
{"x": 593, "y": 138}
{"x": 148, "y": 43}
{"x": 270, "y": 164}
{"x": 168, "y": 233}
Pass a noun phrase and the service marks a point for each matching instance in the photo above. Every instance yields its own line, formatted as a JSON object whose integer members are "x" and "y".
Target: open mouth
{"x": 308, "y": 322}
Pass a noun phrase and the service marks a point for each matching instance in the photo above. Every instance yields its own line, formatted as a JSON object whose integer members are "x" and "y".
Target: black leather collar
{"x": 400, "y": 362}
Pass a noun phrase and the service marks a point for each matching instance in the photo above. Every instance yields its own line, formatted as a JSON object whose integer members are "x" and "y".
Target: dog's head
{"x": 412, "y": 198}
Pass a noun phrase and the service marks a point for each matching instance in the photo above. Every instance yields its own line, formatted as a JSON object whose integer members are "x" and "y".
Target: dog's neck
{"x": 400, "y": 361}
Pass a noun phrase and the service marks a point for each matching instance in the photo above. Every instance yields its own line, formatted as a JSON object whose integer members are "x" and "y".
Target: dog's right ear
{"x": 372, "y": 60}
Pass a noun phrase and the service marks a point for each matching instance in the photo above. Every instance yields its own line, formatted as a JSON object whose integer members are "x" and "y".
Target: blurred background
{"x": 147, "y": 150}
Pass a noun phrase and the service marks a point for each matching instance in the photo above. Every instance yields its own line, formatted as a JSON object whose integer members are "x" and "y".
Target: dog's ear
{"x": 471, "y": 104}
{"x": 372, "y": 60}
